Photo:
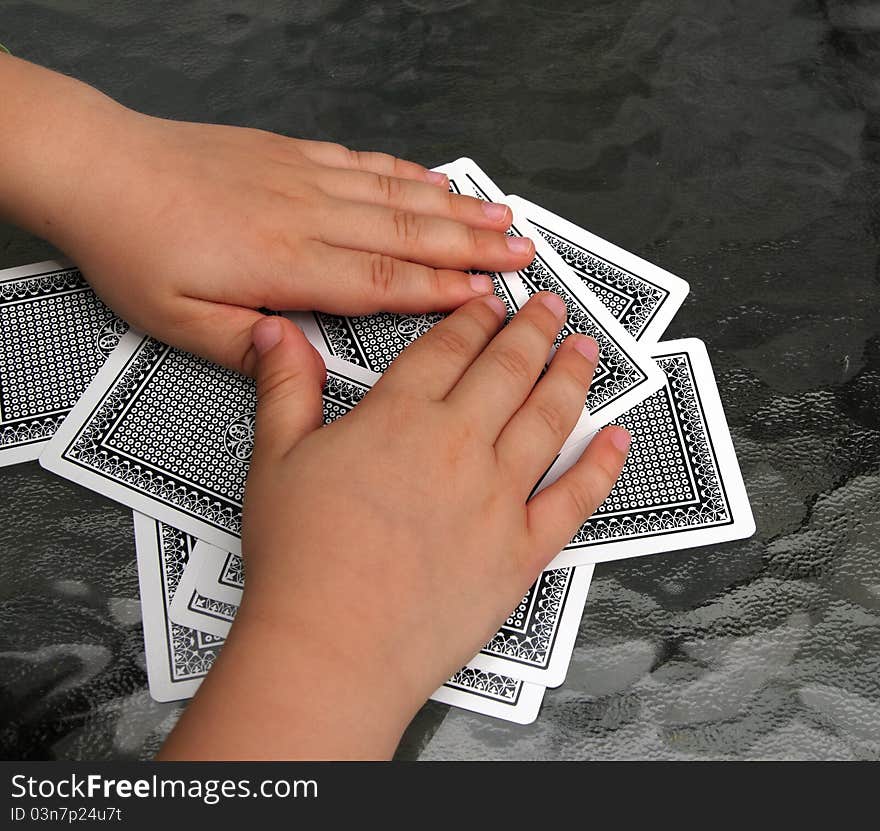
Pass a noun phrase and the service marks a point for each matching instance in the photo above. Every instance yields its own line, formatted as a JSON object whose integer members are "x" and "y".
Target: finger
{"x": 432, "y": 240}
{"x": 413, "y": 196}
{"x": 557, "y": 512}
{"x": 220, "y": 332}
{"x": 337, "y": 155}
{"x": 533, "y": 437}
{"x": 289, "y": 387}
{"x": 348, "y": 282}
{"x": 501, "y": 379}
{"x": 433, "y": 364}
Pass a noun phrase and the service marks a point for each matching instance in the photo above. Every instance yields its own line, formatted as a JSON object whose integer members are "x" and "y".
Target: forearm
{"x": 52, "y": 133}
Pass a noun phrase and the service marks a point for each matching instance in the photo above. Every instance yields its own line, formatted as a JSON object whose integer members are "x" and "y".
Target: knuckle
{"x": 406, "y": 226}
{"x": 608, "y": 476}
{"x": 434, "y": 281}
{"x": 453, "y": 203}
{"x": 513, "y": 363}
{"x": 574, "y": 381}
{"x": 355, "y": 157}
{"x": 452, "y": 342}
{"x": 534, "y": 331}
{"x": 397, "y": 166}
{"x": 485, "y": 318}
{"x": 388, "y": 187}
{"x": 581, "y": 499}
{"x": 279, "y": 141}
{"x": 379, "y": 161}
{"x": 274, "y": 384}
{"x": 553, "y": 419}
{"x": 472, "y": 239}
{"x": 383, "y": 273}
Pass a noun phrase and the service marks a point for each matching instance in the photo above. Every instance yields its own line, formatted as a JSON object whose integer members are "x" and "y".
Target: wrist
{"x": 312, "y": 698}
{"x": 55, "y": 133}
{"x": 333, "y": 657}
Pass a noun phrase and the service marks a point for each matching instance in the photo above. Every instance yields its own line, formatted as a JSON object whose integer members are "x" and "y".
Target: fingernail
{"x": 497, "y": 305}
{"x": 556, "y": 305}
{"x": 494, "y": 211}
{"x": 436, "y": 178}
{"x": 621, "y": 439}
{"x": 519, "y": 245}
{"x": 265, "y": 334}
{"x": 481, "y": 283}
{"x": 587, "y": 347}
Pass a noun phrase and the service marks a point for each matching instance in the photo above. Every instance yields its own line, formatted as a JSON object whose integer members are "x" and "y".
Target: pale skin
{"x": 186, "y": 230}
{"x": 365, "y": 591}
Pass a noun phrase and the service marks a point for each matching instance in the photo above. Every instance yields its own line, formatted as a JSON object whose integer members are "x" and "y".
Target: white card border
{"x": 211, "y": 560}
{"x": 563, "y": 645}
{"x": 30, "y": 452}
{"x": 743, "y": 525}
{"x": 525, "y": 711}
{"x": 153, "y": 611}
{"x": 107, "y": 377}
{"x": 180, "y": 612}
{"x": 637, "y": 352}
{"x": 677, "y": 288}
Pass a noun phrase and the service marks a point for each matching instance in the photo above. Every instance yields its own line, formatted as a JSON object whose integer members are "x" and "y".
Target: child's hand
{"x": 385, "y": 550}
{"x": 190, "y": 228}
{"x": 186, "y": 229}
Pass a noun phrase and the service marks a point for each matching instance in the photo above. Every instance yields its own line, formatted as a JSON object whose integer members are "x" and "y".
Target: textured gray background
{"x": 733, "y": 143}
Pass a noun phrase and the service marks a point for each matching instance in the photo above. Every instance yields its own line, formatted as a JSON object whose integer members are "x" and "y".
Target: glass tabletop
{"x": 735, "y": 147}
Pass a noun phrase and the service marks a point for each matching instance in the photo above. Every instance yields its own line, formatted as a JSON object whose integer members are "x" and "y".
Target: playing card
{"x": 191, "y": 607}
{"x": 626, "y": 374}
{"x": 219, "y": 573}
{"x": 492, "y": 695}
{"x": 681, "y": 486}
{"x": 374, "y": 341}
{"x": 54, "y": 336}
{"x": 642, "y": 296}
{"x": 536, "y": 641}
{"x": 178, "y": 657}
{"x": 171, "y": 435}
{"x": 471, "y": 688}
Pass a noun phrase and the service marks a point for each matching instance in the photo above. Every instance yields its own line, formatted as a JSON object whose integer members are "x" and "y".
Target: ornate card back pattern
{"x": 54, "y": 336}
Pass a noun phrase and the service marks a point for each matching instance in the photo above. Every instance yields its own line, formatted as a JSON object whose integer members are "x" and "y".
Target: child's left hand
{"x": 187, "y": 229}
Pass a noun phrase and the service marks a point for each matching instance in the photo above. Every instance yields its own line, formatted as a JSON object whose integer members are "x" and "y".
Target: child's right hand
{"x": 384, "y": 550}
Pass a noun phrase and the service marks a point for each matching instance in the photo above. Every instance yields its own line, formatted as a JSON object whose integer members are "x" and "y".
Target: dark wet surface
{"x": 735, "y": 144}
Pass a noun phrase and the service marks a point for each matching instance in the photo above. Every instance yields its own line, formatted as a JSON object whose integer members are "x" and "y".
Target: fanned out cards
{"x": 171, "y": 435}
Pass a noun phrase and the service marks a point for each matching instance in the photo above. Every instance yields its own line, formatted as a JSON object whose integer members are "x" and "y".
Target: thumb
{"x": 290, "y": 378}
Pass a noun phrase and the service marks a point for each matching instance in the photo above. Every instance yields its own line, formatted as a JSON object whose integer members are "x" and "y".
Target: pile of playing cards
{"x": 171, "y": 435}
